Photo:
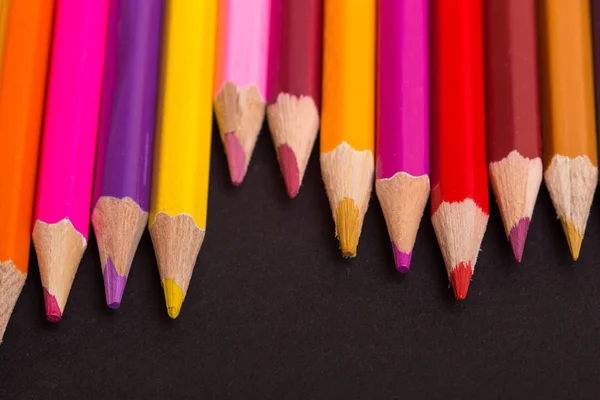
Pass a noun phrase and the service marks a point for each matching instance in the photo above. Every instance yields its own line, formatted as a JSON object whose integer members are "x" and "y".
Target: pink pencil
{"x": 241, "y": 78}
{"x": 402, "y": 177}
{"x": 64, "y": 188}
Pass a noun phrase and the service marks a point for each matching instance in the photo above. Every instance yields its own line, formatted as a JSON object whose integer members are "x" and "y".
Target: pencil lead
{"x": 53, "y": 313}
{"x": 460, "y": 277}
{"x": 173, "y": 297}
{"x": 289, "y": 169}
{"x": 114, "y": 285}
{"x": 401, "y": 259}
{"x": 517, "y": 238}
{"x": 346, "y": 224}
{"x": 573, "y": 238}
{"x": 236, "y": 158}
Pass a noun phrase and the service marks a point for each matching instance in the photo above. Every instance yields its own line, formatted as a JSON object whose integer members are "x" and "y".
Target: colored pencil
{"x": 64, "y": 187}
{"x": 402, "y": 175}
{"x": 514, "y": 144}
{"x": 459, "y": 196}
{"x": 568, "y": 118}
{"x": 179, "y": 199}
{"x": 22, "y": 85}
{"x": 125, "y": 142}
{"x": 348, "y": 114}
{"x": 241, "y": 78}
{"x": 294, "y": 115}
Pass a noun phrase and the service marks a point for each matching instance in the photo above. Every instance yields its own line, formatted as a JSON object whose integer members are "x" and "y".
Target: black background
{"x": 274, "y": 312}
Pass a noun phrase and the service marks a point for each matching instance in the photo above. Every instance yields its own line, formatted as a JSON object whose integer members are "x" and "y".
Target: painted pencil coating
{"x": 514, "y": 143}
{"x": 3, "y": 22}
{"x": 568, "y": 114}
{"x": 177, "y": 220}
{"x": 295, "y": 77}
{"x": 64, "y": 187}
{"x": 459, "y": 196}
{"x": 125, "y": 142}
{"x": 240, "y": 90}
{"x": 402, "y": 182}
{"x": 348, "y": 116}
{"x": 403, "y": 88}
{"x": 22, "y": 85}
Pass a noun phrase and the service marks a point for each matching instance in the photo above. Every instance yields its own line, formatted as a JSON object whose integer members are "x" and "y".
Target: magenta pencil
{"x": 402, "y": 177}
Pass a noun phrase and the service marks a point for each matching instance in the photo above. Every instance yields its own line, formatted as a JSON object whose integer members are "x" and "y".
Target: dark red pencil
{"x": 514, "y": 144}
{"x": 294, "y": 114}
{"x": 459, "y": 198}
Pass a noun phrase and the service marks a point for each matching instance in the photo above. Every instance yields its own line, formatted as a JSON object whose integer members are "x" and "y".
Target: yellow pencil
{"x": 347, "y": 127}
{"x": 177, "y": 219}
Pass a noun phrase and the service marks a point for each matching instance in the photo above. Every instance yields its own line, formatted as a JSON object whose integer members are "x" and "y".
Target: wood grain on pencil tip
{"x": 569, "y": 121}
{"x": 124, "y": 157}
{"x": 293, "y": 115}
{"x": 22, "y": 83}
{"x": 514, "y": 144}
{"x": 348, "y": 117}
{"x": 179, "y": 199}
{"x": 459, "y": 196}
{"x": 241, "y": 78}
{"x": 64, "y": 186}
{"x": 402, "y": 174}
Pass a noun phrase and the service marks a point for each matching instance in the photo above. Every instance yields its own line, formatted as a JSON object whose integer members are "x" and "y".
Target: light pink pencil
{"x": 64, "y": 188}
{"x": 241, "y": 78}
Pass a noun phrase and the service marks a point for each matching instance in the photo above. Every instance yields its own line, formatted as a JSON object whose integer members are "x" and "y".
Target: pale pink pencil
{"x": 241, "y": 78}
{"x": 64, "y": 188}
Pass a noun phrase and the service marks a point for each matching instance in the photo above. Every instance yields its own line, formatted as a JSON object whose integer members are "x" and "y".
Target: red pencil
{"x": 459, "y": 199}
{"x": 294, "y": 114}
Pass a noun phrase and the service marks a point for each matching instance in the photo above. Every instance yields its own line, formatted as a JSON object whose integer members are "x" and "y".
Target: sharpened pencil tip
{"x": 517, "y": 238}
{"x": 114, "y": 285}
{"x": 289, "y": 169}
{"x": 346, "y": 225}
{"x": 574, "y": 238}
{"x": 173, "y": 297}
{"x": 236, "y": 158}
{"x": 53, "y": 313}
{"x": 401, "y": 259}
{"x": 460, "y": 277}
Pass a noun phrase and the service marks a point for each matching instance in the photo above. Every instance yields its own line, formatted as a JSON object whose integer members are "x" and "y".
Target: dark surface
{"x": 274, "y": 312}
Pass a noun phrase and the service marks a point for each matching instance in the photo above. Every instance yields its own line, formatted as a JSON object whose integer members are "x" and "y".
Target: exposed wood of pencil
{"x": 459, "y": 196}
{"x": 119, "y": 225}
{"x": 569, "y": 125}
{"x": 294, "y": 115}
{"x": 240, "y": 113}
{"x": 514, "y": 146}
{"x": 348, "y": 120}
{"x": 59, "y": 248}
{"x": 22, "y": 84}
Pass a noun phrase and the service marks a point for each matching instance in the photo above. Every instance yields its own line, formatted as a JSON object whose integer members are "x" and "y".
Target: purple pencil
{"x": 402, "y": 177}
{"x": 125, "y": 143}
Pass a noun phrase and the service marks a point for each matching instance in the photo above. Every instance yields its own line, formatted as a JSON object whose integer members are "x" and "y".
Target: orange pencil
{"x": 22, "y": 83}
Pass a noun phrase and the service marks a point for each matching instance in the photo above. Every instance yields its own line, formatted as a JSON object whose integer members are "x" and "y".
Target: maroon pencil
{"x": 293, "y": 114}
{"x": 514, "y": 148}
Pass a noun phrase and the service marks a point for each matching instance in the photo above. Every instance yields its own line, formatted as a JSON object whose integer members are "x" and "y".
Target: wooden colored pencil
{"x": 348, "y": 114}
{"x": 568, "y": 118}
{"x": 241, "y": 78}
{"x": 459, "y": 196}
{"x": 402, "y": 176}
{"x": 182, "y": 145}
{"x": 125, "y": 142}
{"x": 64, "y": 187}
{"x": 294, "y": 115}
{"x": 22, "y": 85}
{"x": 514, "y": 144}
